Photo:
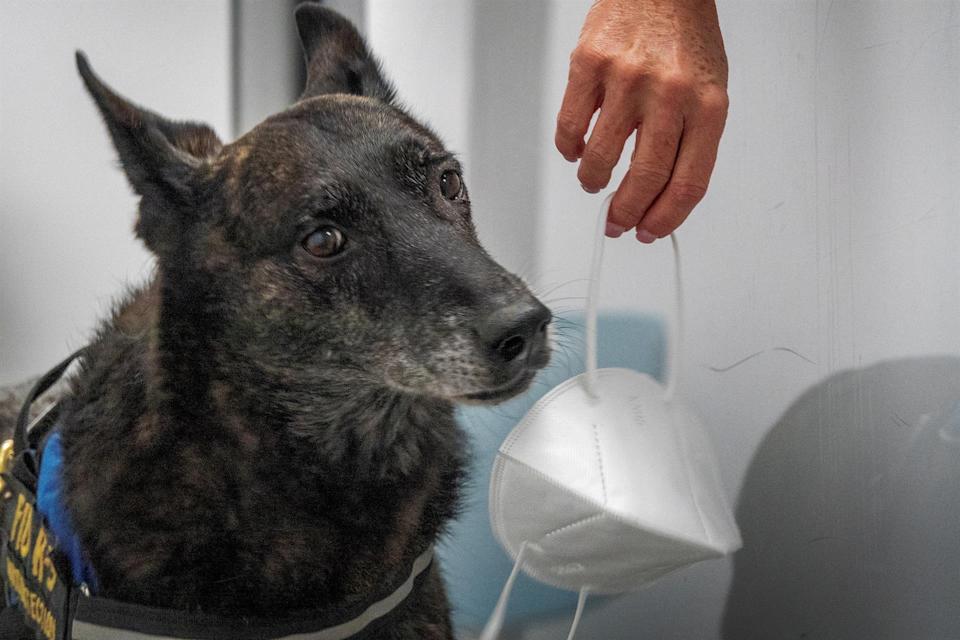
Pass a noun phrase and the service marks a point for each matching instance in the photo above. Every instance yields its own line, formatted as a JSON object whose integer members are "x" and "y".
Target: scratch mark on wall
{"x": 879, "y": 44}
{"x": 821, "y": 35}
{"x": 760, "y": 353}
{"x": 927, "y": 39}
{"x": 900, "y": 420}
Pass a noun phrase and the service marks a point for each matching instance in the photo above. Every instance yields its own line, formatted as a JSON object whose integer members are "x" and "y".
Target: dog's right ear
{"x": 338, "y": 60}
{"x": 160, "y": 157}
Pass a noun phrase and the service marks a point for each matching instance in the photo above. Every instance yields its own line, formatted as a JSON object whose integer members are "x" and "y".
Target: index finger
{"x": 580, "y": 100}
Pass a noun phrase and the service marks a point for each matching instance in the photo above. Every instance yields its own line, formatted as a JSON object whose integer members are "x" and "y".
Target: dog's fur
{"x": 258, "y": 431}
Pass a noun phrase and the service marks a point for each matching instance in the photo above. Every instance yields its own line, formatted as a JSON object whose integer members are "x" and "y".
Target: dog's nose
{"x": 514, "y": 331}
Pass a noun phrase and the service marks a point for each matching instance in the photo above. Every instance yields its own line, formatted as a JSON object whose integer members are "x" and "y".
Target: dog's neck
{"x": 269, "y": 495}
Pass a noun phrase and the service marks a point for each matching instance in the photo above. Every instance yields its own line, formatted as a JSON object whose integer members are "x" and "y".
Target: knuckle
{"x": 686, "y": 193}
{"x": 715, "y": 102}
{"x": 587, "y": 58}
{"x": 674, "y": 85}
{"x": 650, "y": 173}
{"x": 664, "y": 143}
{"x": 601, "y": 156}
{"x": 629, "y": 71}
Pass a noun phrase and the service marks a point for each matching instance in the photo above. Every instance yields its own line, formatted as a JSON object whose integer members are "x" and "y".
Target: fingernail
{"x": 614, "y": 230}
{"x": 589, "y": 190}
{"x": 645, "y": 236}
{"x": 570, "y": 158}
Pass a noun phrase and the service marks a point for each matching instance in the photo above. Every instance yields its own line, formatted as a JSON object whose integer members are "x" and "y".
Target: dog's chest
{"x": 214, "y": 530}
{"x": 236, "y": 513}
{"x": 341, "y": 542}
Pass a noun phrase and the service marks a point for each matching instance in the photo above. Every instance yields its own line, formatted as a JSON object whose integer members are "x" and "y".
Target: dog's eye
{"x": 325, "y": 242}
{"x": 451, "y": 185}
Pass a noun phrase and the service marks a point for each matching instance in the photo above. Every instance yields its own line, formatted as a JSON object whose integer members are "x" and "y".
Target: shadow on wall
{"x": 850, "y": 512}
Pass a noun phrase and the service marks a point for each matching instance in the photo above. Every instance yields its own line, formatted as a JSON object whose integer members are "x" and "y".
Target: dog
{"x": 267, "y": 426}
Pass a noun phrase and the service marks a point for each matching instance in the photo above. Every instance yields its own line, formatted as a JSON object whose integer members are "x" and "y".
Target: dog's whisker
{"x": 553, "y": 301}
{"x": 569, "y": 306}
{"x": 524, "y": 272}
{"x": 567, "y": 360}
{"x": 570, "y": 342}
{"x": 574, "y": 340}
{"x": 544, "y": 294}
{"x": 565, "y": 321}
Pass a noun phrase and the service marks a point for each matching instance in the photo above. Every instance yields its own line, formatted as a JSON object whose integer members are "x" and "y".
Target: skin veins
{"x": 655, "y": 69}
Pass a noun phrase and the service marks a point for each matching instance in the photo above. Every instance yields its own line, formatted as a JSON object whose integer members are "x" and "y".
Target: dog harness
{"x": 48, "y": 580}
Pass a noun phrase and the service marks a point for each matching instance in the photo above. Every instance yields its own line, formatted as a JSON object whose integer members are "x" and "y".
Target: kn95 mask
{"x": 609, "y": 482}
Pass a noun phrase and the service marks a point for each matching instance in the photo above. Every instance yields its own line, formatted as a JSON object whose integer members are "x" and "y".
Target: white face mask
{"x": 608, "y": 482}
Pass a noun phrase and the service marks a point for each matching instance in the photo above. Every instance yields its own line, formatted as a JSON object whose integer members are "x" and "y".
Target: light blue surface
{"x": 474, "y": 564}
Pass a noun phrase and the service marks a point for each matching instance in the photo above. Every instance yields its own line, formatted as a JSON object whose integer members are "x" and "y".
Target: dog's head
{"x": 334, "y": 235}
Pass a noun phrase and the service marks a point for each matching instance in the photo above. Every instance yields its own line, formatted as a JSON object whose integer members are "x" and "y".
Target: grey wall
{"x": 66, "y": 212}
{"x": 824, "y": 261}
{"x": 266, "y": 65}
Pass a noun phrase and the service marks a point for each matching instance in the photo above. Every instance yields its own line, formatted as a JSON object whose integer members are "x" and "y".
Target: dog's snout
{"x": 515, "y": 331}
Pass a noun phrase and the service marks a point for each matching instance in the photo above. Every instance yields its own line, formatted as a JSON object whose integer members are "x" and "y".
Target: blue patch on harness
{"x": 51, "y": 506}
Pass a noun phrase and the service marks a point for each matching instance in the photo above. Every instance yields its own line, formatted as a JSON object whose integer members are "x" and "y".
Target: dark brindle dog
{"x": 268, "y": 426}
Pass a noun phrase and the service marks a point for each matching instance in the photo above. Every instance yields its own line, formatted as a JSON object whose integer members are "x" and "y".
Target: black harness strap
{"x": 102, "y": 619}
{"x": 20, "y": 440}
{"x": 31, "y": 569}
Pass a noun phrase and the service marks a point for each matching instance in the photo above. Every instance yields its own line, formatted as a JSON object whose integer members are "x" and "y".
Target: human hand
{"x": 656, "y": 67}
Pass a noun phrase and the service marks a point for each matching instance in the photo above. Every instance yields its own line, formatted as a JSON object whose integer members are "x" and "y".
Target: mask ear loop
{"x": 581, "y": 601}
{"x": 593, "y": 294}
{"x": 492, "y": 629}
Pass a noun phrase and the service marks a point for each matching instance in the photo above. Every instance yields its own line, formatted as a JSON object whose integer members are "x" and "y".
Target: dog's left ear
{"x": 159, "y": 156}
{"x": 338, "y": 60}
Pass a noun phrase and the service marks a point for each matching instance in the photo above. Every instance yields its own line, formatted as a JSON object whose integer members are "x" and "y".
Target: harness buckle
{"x": 6, "y": 463}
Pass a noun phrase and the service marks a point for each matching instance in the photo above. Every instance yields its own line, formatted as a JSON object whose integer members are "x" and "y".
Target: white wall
{"x": 66, "y": 212}
{"x": 425, "y": 48}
